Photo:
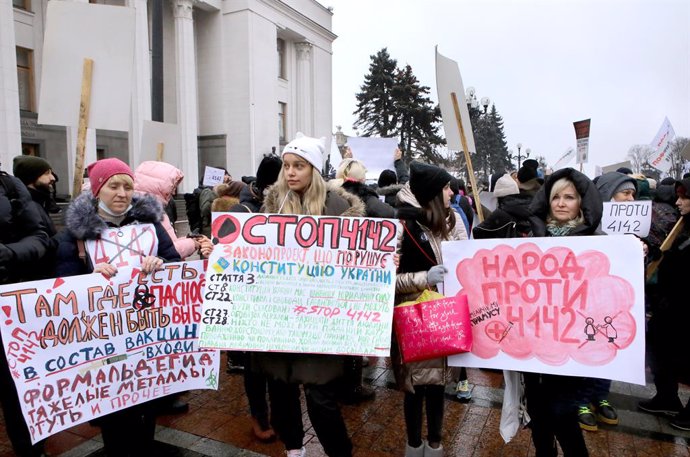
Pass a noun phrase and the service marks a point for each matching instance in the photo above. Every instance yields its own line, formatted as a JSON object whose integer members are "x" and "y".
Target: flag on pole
{"x": 661, "y": 157}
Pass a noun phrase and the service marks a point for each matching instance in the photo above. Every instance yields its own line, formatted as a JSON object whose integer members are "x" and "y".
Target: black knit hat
{"x": 29, "y": 168}
{"x": 528, "y": 171}
{"x": 268, "y": 171}
{"x": 387, "y": 178}
{"x": 427, "y": 181}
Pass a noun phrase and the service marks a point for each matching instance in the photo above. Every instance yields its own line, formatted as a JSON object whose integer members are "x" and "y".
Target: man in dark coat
{"x": 23, "y": 242}
{"x": 37, "y": 175}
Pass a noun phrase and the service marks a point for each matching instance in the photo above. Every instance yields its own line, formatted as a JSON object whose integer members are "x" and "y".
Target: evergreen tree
{"x": 491, "y": 154}
{"x": 375, "y": 107}
{"x": 498, "y": 148}
{"x": 417, "y": 119}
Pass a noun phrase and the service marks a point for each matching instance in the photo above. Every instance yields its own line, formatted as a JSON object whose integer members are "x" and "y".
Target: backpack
{"x": 193, "y": 210}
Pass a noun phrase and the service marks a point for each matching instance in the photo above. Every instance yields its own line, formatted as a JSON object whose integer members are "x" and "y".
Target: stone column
{"x": 72, "y": 134}
{"x": 305, "y": 110}
{"x": 10, "y": 128}
{"x": 185, "y": 64}
{"x": 141, "y": 87}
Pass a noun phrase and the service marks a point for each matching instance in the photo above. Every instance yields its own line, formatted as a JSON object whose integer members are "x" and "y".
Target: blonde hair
{"x": 351, "y": 169}
{"x": 311, "y": 202}
{"x": 120, "y": 178}
{"x": 558, "y": 187}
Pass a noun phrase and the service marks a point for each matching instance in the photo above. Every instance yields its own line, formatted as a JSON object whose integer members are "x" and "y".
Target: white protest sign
{"x": 85, "y": 346}
{"x": 375, "y": 153}
{"x": 582, "y": 136}
{"x": 124, "y": 246}
{"x": 303, "y": 284}
{"x": 662, "y": 142}
{"x": 448, "y": 82}
{"x": 489, "y": 200}
{"x": 213, "y": 176}
{"x": 565, "y": 159}
{"x": 633, "y": 217}
{"x": 103, "y": 33}
{"x": 613, "y": 167}
{"x": 571, "y": 306}
{"x": 155, "y": 133}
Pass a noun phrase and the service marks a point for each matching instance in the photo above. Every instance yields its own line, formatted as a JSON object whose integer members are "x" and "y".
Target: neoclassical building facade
{"x": 240, "y": 78}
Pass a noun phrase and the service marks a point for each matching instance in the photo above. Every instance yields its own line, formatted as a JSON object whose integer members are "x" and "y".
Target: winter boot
{"x": 415, "y": 451}
{"x": 433, "y": 452}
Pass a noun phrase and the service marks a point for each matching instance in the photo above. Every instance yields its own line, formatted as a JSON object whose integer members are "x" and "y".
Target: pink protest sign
{"x": 566, "y": 305}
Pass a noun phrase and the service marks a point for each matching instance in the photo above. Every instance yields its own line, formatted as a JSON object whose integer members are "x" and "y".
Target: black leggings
{"x": 414, "y": 404}
{"x": 324, "y": 414}
{"x": 551, "y": 404}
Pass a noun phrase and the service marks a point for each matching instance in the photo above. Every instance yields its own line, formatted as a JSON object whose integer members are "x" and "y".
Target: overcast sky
{"x": 544, "y": 63}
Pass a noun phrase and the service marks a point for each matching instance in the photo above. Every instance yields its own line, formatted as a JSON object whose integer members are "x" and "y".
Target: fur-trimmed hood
{"x": 223, "y": 204}
{"x": 339, "y": 202}
{"x": 389, "y": 190}
{"x": 84, "y": 223}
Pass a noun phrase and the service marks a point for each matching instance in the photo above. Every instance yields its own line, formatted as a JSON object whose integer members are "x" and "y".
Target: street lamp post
{"x": 519, "y": 156}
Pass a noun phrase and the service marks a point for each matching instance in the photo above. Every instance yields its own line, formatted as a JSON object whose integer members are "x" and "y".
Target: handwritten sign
{"x": 213, "y": 176}
{"x": 562, "y": 305}
{"x": 306, "y": 284}
{"x": 433, "y": 328}
{"x": 627, "y": 217}
{"x": 84, "y": 346}
{"x": 124, "y": 246}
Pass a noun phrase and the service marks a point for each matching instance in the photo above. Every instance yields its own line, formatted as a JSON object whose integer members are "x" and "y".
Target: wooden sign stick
{"x": 468, "y": 160}
{"x": 159, "y": 152}
{"x": 84, "y": 106}
{"x": 665, "y": 246}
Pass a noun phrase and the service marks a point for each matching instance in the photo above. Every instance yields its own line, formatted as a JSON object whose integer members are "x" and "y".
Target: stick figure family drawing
{"x": 607, "y": 329}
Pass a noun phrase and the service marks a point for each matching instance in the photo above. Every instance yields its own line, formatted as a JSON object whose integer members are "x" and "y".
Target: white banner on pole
{"x": 449, "y": 81}
{"x": 565, "y": 159}
{"x": 661, "y": 157}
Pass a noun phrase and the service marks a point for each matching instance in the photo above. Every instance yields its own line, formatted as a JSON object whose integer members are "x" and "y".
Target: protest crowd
{"x": 432, "y": 206}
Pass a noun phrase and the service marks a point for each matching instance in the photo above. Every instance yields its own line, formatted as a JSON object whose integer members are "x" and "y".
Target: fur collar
{"x": 83, "y": 221}
{"x": 390, "y": 190}
{"x": 352, "y": 206}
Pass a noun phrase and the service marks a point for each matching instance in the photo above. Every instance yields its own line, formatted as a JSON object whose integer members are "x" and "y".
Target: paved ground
{"x": 218, "y": 425}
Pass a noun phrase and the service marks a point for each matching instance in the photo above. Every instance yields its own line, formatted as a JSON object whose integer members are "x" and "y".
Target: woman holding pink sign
{"x": 428, "y": 219}
{"x": 567, "y": 205}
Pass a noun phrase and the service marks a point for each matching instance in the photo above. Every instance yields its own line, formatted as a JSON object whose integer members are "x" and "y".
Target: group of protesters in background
{"x": 432, "y": 205}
